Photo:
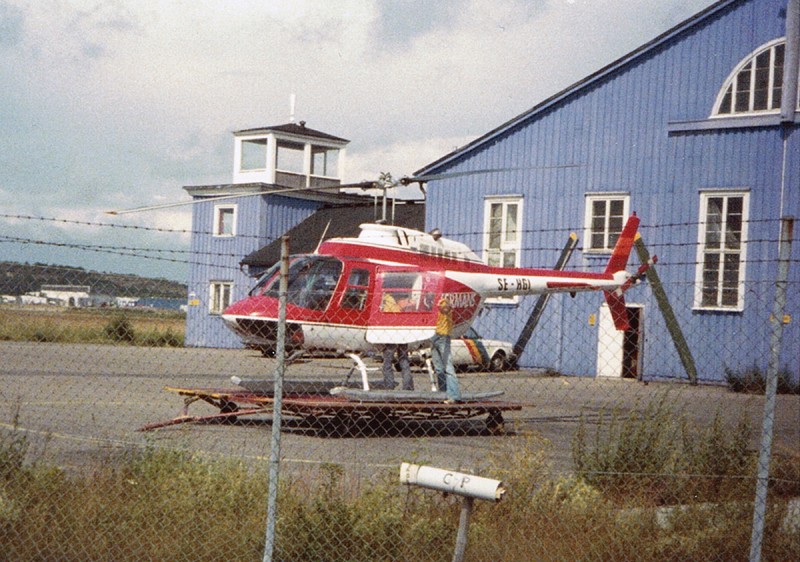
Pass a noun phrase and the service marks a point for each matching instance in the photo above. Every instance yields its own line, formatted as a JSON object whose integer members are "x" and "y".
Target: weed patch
{"x": 657, "y": 456}
{"x": 119, "y": 330}
{"x": 753, "y": 380}
{"x": 159, "y": 504}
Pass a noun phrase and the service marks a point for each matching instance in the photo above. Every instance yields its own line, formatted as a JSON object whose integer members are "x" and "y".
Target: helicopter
{"x": 338, "y": 298}
{"x": 383, "y": 287}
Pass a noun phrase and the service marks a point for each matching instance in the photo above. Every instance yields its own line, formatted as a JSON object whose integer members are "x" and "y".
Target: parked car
{"x": 472, "y": 351}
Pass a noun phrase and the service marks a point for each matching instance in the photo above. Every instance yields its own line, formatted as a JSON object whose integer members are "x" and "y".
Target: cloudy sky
{"x": 117, "y": 104}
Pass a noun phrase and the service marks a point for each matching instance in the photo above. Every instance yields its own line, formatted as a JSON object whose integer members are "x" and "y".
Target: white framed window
{"x": 224, "y": 220}
{"x": 502, "y": 237}
{"x": 604, "y": 219}
{"x": 755, "y": 84}
{"x": 219, "y": 296}
{"x": 253, "y": 155}
{"x": 324, "y": 161}
{"x": 721, "y": 250}
{"x": 291, "y": 157}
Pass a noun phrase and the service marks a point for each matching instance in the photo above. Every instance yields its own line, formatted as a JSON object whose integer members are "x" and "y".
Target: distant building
{"x": 31, "y": 299}
{"x": 126, "y": 302}
{"x": 76, "y": 296}
{"x": 285, "y": 180}
{"x": 73, "y": 296}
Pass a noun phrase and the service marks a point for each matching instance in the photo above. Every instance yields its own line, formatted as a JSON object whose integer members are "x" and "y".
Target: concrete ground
{"x": 79, "y": 403}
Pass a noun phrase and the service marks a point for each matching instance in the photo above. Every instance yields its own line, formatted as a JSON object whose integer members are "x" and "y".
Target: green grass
{"x": 658, "y": 455}
{"x": 158, "y": 504}
{"x": 152, "y": 328}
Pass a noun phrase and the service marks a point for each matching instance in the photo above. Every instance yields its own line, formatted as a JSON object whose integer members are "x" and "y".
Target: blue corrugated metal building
{"x": 697, "y": 132}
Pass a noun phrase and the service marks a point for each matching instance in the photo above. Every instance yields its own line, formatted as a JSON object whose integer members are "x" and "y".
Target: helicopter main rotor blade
{"x": 446, "y": 175}
{"x": 362, "y": 185}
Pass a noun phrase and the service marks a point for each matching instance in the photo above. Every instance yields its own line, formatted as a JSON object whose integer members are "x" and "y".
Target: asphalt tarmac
{"x": 82, "y": 404}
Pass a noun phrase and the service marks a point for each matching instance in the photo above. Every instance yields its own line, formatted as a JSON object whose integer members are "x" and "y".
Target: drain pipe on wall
{"x": 791, "y": 68}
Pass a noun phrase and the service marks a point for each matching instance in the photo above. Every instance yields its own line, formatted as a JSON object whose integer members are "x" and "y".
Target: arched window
{"x": 755, "y": 84}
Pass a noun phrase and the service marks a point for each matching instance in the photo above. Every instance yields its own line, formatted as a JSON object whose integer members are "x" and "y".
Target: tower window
{"x": 254, "y": 154}
{"x": 324, "y": 161}
{"x": 290, "y": 157}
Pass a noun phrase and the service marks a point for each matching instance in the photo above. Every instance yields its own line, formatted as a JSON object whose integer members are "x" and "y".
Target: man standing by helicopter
{"x": 440, "y": 353}
{"x": 389, "y": 351}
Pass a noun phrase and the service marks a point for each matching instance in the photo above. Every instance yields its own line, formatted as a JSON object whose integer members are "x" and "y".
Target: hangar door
{"x": 619, "y": 354}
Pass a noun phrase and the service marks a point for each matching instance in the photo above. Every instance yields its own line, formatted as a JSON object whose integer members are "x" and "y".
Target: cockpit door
{"x": 404, "y": 307}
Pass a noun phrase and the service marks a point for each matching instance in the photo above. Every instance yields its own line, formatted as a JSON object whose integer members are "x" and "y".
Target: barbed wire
{"x": 119, "y": 251}
{"x": 95, "y": 224}
{"x": 660, "y": 226}
{"x": 146, "y": 253}
{"x": 198, "y": 255}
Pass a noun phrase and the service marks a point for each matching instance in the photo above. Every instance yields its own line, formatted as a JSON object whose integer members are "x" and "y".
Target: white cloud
{"x": 112, "y": 104}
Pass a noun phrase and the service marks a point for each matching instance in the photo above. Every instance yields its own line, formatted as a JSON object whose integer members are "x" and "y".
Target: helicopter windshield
{"x": 264, "y": 280}
{"x": 312, "y": 280}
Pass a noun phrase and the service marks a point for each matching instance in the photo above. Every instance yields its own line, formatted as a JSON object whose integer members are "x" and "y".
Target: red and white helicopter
{"x": 383, "y": 287}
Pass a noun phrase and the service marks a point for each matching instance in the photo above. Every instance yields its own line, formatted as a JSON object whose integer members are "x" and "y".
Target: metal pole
{"x": 791, "y": 62}
{"x": 280, "y": 368}
{"x": 759, "y": 511}
{"x": 541, "y": 302}
{"x": 463, "y": 529}
{"x": 671, "y": 321}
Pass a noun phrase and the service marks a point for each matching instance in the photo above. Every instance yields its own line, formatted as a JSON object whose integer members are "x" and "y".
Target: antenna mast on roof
{"x": 292, "y": 99}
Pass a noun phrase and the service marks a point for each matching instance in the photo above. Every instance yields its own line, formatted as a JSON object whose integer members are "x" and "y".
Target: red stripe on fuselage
{"x": 565, "y": 285}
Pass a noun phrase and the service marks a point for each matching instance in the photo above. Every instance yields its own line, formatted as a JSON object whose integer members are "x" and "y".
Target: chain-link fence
{"x": 119, "y": 443}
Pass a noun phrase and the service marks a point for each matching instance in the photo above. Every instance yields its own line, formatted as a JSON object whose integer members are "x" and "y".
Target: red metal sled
{"x": 331, "y": 414}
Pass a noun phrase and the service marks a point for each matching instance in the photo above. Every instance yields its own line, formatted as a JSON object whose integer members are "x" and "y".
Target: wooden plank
{"x": 671, "y": 321}
{"x": 541, "y": 302}
{"x": 406, "y": 396}
{"x": 266, "y": 387}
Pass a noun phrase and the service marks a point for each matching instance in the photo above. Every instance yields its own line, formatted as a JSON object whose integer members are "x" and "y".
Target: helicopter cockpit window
{"x": 355, "y": 295}
{"x": 402, "y": 292}
{"x": 311, "y": 282}
{"x": 265, "y": 279}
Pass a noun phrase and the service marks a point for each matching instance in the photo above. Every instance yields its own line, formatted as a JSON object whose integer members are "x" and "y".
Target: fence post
{"x": 463, "y": 529}
{"x": 776, "y": 321}
{"x": 280, "y": 367}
